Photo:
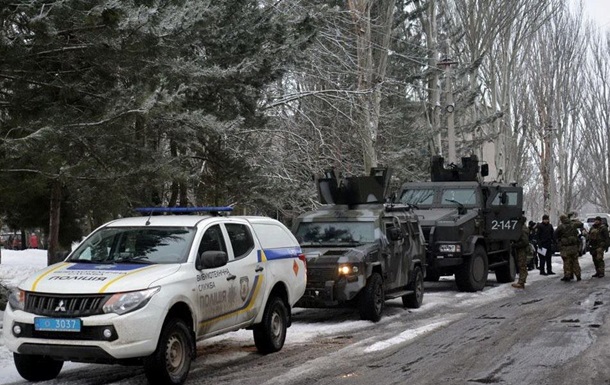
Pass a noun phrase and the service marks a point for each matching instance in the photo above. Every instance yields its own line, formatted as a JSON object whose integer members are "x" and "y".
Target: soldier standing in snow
{"x": 522, "y": 247}
{"x": 567, "y": 236}
{"x": 598, "y": 243}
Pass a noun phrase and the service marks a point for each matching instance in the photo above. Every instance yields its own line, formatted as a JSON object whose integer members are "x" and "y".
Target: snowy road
{"x": 551, "y": 333}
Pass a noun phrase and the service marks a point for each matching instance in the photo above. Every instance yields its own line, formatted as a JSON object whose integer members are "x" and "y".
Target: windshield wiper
{"x": 461, "y": 209}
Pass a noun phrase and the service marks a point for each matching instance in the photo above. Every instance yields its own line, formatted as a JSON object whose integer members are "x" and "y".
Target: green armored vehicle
{"x": 468, "y": 225}
{"x": 360, "y": 251}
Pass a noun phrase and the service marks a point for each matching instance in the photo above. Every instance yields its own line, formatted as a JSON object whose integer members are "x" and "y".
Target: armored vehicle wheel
{"x": 270, "y": 334}
{"x": 37, "y": 368}
{"x": 415, "y": 299}
{"x": 171, "y": 362}
{"x": 372, "y": 299}
{"x": 472, "y": 275}
{"x": 507, "y": 273}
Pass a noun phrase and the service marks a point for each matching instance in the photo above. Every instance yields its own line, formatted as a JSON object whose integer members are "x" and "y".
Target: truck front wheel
{"x": 472, "y": 275}
{"x": 171, "y": 362}
{"x": 372, "y": 299}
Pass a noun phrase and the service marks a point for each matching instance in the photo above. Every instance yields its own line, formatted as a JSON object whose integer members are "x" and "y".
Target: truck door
{"x": 504, "y": 208}
{"x": 396, "y": 261}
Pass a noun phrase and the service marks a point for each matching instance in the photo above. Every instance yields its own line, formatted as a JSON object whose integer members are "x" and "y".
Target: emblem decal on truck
{"x": 61, "y": 306}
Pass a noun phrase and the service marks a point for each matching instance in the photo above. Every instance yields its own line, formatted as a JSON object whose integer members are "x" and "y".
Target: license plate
{"x": 57, "y": 324}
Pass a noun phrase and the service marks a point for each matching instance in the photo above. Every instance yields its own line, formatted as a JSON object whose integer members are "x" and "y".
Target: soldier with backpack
{"x": 567, "y": 236}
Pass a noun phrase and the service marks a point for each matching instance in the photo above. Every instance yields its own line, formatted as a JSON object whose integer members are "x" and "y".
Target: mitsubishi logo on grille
{"x": 61, "y": 306}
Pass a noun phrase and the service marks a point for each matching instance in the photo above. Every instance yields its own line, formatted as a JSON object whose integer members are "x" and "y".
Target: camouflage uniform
{"x": 598, "y": 242}
{"x": 567, "y": 236}
{"x": 522, "y": 248}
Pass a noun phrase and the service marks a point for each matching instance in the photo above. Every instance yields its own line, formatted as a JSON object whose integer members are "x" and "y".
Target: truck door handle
{"x": 231, "y": 277}
{"x": 259, "y": 269}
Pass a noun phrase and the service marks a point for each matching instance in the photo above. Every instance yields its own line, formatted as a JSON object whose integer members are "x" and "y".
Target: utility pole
{"x": 446, "y": 64}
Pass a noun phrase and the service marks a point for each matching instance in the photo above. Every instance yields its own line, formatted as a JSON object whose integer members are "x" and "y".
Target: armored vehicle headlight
{"x": 122, "y": 303}
{"x": 348, "y": 269}
{"x": 453, "y": 248}
{"x": 17, "y": 299}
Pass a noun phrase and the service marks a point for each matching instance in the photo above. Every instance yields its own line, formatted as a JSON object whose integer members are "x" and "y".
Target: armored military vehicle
{"x": 468, "y": 225}
{"x": 360, "y": 251}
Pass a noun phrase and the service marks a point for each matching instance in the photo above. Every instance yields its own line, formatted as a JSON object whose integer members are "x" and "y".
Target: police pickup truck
{"x": 143, "y": 290}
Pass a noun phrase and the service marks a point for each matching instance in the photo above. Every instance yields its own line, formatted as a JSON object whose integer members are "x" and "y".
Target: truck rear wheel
{"x": 415, "y": 299}
{"x": 472, "y": 275}
{"x": 372, "y": 299}
{"x": 37, "y": 368}
{"x": 507, "y": 273}
{"x": 171, "y": 362}
{"x": 270, "y": 334}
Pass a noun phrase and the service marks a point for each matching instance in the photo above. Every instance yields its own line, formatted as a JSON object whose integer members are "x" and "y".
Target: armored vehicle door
{"x": 504, "y": 208}
{"x": 397, "y": 266}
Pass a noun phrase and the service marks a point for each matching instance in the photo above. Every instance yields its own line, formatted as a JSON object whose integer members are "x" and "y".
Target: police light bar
{"x": 207, "y": 209}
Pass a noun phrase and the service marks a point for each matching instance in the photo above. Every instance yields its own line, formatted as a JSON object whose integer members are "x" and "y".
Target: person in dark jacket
{"x": 545, "y": 239}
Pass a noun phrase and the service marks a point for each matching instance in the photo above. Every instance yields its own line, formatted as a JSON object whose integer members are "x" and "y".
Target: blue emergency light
{"x": 183, "y": 210}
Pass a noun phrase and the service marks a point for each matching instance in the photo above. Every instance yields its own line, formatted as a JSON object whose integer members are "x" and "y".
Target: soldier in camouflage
{"x": 598, "y": 243}
{"x": 567, "y": 236}
{"x": 522, "y": 248}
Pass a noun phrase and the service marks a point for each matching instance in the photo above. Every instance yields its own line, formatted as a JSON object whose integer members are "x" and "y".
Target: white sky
{"x": 598, "y": 10}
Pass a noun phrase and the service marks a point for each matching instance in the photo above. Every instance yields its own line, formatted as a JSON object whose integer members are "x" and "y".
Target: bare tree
{"x": 595, "y": 124}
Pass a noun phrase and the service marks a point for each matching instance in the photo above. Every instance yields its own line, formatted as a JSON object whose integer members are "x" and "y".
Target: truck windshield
{"x": 336, "y": 233}
{"x": 462, "y": 196}
{"x": 135, "y": 245}
{"x": 417, "y": 197}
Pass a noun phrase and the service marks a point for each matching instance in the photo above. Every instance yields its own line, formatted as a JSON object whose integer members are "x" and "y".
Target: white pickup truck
{"x": 143, "y": 290}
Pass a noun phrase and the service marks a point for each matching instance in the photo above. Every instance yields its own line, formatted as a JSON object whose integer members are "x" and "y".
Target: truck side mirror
{"x": 484, "y": 170}
{"x": 211, "y": 259}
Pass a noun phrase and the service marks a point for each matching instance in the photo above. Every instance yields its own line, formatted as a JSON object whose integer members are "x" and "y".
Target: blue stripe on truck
{"x": 280, "y": 253}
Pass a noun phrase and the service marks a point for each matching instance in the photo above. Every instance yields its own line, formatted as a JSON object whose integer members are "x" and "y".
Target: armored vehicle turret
{"x": 360, "y": 251}
{"x": 468, "y": 225}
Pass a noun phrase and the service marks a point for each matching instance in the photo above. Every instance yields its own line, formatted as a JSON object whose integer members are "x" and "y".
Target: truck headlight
{"x": 121, "y": 303}
{"x": 17, "y": 299}
{"x": 452, "y": 248}
{"x": 348, "y": 269}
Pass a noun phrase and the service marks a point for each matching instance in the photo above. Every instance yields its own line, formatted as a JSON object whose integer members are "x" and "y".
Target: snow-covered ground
{"x": 17, "y": 265}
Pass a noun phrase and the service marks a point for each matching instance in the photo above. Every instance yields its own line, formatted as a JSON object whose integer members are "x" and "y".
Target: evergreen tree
{"x": 127, "y": 103}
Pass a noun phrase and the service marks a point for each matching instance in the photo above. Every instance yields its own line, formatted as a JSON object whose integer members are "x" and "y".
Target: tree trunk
{"x": 371, "y": 67}
{"x": 54, "y": 214}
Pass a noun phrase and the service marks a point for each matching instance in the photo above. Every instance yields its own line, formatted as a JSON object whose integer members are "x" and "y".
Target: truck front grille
{"x": 321, "y": 274}
{"x": 74, "y": 305}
